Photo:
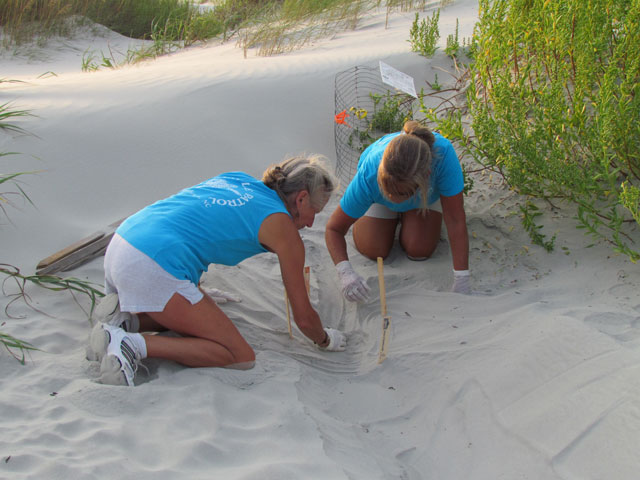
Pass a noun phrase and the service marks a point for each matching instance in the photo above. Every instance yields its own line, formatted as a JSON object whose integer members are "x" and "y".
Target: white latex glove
{"x": 354, "y": 288}
{"x": 219, "y": 296}
{"x": 461, "y": 282}
{"x": 337, "y": 340}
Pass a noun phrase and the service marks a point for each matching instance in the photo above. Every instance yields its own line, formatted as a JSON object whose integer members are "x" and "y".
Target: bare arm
{"x": 456, "y": 221}
{"x": 335, "y": 232}
{"x": 279, "y": 234}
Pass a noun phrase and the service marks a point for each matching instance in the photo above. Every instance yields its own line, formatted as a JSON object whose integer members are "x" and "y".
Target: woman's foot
{"x": 120, "y": 353}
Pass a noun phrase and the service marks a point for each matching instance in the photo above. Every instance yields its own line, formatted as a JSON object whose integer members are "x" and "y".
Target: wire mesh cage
{"x": 365, "y": 110}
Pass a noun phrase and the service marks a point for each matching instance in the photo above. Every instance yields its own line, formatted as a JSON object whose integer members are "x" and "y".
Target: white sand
{"x": 537, "y": 377}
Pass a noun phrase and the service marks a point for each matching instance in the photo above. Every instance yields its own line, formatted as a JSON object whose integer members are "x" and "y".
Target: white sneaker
{"x": 108, "y": 311}
{"x": 120, "y": 357}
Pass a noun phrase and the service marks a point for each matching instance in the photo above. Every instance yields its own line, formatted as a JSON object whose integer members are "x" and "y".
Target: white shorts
{"x": 141, "y": 284}
{"x": 377, "y": 210}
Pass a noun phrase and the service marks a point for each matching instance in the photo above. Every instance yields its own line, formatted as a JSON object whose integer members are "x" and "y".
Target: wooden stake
{"x": 386, "y": 320}
{"x": 307, "y": 280}
{"x": 383, "y": 300}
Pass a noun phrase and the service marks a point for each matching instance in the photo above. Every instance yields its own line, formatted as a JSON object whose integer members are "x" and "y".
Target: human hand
{"x": 337, "y": 340}
{"x": 219, "y": 296}
{"x": 461, "y": 282}
{"x": 354, "y": 288}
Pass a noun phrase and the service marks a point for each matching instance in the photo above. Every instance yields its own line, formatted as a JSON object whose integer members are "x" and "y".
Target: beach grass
{"x": 268, "y": 26}
{"x": 37, "y": 20}
{"x": 8, "y": 114}
{"x": 16, "y": 347}
{"x": 11, "y": 343}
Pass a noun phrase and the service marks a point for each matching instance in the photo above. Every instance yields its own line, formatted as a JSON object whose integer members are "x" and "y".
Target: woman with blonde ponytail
{"x": 155, "y": 260}
{"x": 412, "y": 178}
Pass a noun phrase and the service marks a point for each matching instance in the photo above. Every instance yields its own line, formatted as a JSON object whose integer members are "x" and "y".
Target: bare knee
{"x": 420, "y": 233}
{"x": 374, "y": 237}
{"x": 244, "y": 357}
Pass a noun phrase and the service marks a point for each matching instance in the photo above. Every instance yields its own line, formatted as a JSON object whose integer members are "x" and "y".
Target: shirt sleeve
{"x": 356, "y": 199}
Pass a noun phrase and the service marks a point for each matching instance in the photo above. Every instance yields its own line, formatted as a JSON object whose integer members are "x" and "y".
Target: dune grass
{"x": 12, "y": 344}
{"x": 287, "y": 25}
{"x": 268, "y": 26}
{"x": 8, "y": 113}
{"x": 37, "y": 20}
{"x": 16, "y": 347}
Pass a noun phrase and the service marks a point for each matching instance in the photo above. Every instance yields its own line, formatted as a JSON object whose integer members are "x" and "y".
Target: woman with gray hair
{"x": 155, "y": 260}
{"x": 412, "y": 178}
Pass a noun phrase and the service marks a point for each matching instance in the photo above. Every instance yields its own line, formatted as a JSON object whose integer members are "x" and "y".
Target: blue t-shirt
{"x": 363, "y": 190}
{"x": 216, "y": 221}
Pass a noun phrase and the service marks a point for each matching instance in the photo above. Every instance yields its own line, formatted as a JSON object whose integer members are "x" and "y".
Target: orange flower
{"x": 340, "y": 118}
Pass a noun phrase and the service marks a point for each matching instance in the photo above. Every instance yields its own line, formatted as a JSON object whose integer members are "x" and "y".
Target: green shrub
{"x": 424, "y": 35}
{"x": 203, "y": 27}
{"x": 554, "y": 100}
{"x": 453, "y": 42}
{"x": 389, "y": 113}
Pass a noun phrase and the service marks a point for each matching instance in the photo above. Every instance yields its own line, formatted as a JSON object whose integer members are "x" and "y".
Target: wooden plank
{"x": 94, "y": 237}
{"x": 79, "y": 252}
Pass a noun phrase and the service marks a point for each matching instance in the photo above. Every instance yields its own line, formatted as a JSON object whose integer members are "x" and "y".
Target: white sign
{"x": 397, "y": 79}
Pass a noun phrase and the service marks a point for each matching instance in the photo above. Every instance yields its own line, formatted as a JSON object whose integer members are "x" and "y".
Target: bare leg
{"x": 419, "y": 234}
{"x": 374, "y": 236}
{"x": 209, "y": 338}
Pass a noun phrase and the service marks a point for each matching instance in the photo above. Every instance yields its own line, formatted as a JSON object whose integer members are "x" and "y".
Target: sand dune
{"x": 535, "y": 376}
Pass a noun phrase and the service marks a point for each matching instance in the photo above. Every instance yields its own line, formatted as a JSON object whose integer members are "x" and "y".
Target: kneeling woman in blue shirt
{"x": 154, "y": 263}
{"x": 413, "y": 177}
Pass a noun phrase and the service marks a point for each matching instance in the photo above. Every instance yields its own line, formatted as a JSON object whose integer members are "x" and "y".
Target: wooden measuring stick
{"x": 386, "y": 320}
{"x": 307, "y": 279}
